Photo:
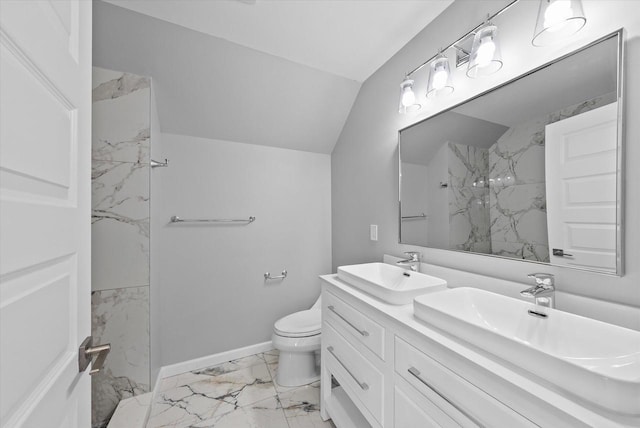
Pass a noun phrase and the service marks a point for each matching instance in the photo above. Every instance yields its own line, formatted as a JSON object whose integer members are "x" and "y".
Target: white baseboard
{"x": 154, "y": 394}
{"x": 211, "y": 360}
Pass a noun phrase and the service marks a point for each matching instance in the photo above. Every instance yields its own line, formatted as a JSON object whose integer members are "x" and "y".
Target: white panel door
{"x": 45, "y": 178}
{"x": 580, "y": 169}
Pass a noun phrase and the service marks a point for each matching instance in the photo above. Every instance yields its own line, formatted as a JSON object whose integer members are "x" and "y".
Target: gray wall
{"x": 211, "y": 88}
{"x": 364, "y": 161}
{"x": 207, "y": 289}
{"x": 213, "y": 296}
{"x": 438, "y": 198}
{"x": 415, "y": 197}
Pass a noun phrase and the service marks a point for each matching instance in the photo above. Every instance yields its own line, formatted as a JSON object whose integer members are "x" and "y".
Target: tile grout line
{"x": 273, "y": 381}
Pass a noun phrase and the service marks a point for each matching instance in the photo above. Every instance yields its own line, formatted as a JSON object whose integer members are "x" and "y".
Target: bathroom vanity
{"x": 383, "y": 367}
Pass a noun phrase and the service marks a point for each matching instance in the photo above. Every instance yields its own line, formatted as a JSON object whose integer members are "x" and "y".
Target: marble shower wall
{"x": 518, "y": 208}
{"x": 468, "y": 198}
{"x": 120, "y": 237}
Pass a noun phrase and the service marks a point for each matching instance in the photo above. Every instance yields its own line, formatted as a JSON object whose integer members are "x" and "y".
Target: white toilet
{"x": 297, "y": 337}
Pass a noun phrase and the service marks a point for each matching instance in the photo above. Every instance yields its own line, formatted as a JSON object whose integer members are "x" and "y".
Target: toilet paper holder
{"x": 268, "y": 276}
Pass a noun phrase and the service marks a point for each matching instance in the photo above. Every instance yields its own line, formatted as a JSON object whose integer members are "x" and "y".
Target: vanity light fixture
{"x": 485, "y": 58}
{"x": 439, "y": 77}
{"x": 407, "y": 97}
{"x": 557, "y": 19}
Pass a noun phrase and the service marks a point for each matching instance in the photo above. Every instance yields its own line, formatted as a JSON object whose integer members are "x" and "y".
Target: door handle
{"x": 560, "y": 253}
{"x": 86, "y": 353}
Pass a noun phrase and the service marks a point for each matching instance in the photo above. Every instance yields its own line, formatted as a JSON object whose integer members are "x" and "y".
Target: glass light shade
{"x": 407, "y": 97}
{"x": 557, "y": 19}
{"x": 439, "y": 77}
{"x": 485, "y": 57}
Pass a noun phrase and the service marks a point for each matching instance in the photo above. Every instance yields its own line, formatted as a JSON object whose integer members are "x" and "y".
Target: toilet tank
{"x": 317, "y": 304}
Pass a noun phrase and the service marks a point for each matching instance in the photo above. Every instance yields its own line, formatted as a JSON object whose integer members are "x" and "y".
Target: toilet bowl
{"x": 297, "y": 337}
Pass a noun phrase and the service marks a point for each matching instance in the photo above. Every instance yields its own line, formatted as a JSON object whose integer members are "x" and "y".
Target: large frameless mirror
{"x": 530, "y": 170}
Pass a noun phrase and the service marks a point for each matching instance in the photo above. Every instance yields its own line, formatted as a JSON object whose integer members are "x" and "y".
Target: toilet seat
{"x": 299, "y": 324}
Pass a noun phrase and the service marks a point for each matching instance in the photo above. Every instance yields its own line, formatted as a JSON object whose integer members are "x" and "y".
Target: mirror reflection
{"x": 526, "y": 171}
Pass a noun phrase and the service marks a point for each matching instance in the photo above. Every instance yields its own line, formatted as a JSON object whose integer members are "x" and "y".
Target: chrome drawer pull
{"x": 364, "y": 333}
{"x": 416, "y": 373}
{"x": 362, "y": 385}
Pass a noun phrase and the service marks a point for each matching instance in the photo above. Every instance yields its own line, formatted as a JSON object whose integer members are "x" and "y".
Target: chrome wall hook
{"x": 156, "y": 164}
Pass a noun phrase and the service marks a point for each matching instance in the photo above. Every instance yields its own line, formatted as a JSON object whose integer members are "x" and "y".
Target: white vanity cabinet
{"x": 413, "y": 409}
{"x": 394, "y": 371}
{"x": 416, "y": 390}
{"x": 459, "y": 399}
{"x": 354, "y": 324}
{"x": 363, "y": 381}
{"x": 353, "y": 353}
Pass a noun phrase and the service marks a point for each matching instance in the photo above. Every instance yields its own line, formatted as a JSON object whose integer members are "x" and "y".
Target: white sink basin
{"x": 596, "y": 361}
{"x": 389, "y": 283}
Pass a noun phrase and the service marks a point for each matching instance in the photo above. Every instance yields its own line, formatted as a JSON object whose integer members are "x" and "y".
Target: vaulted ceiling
{"x": 282, "y": 73}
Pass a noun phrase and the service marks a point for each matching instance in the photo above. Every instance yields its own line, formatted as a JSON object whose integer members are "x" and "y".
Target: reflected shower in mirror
{"x": 529, "y": 170}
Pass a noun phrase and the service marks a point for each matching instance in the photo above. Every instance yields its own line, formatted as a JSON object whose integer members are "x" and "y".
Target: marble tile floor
{"x": 238, "y": 394}
{"x": 131, "y": 412}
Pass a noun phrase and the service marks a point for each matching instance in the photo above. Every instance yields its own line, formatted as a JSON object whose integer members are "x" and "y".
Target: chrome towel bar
{"x": 267, "y": 275}
{"x": 176, "y": 219}
{"x": 423, "y": 215}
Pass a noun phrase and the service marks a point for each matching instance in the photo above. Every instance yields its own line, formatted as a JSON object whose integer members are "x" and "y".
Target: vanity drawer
{"x": 412, "y": 409}
{"x": 363, "y": 382}
{"x": 345, "y": 317}
{"x": 468, "y": 405}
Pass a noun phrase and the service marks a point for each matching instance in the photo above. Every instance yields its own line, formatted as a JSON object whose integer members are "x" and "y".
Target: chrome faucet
{"x": 413, "y": 261}
{"x": 543, "y": 292}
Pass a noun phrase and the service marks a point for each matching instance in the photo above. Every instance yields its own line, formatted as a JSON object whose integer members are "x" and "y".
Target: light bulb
{"x": 440, "y": 78}
{"x": 486, "y": 50}
{"x": 556, "y": 15}
{"x": 407, "y": 102}
{"x": 408, "y": 97}
{"x": 439, "y": 83}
